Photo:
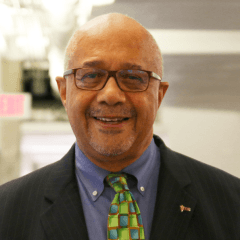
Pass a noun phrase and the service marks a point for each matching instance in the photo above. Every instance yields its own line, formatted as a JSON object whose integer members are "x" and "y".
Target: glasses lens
{"x": 132, "y": 80}
{"x": 88, "y": 78}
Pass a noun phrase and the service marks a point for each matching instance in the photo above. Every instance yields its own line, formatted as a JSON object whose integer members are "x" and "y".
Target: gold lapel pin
{"x": 182, "y": 208}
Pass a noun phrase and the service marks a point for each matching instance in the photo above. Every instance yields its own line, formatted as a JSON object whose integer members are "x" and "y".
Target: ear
{"x": 61, "y": 82}
{"x": 163, "y": 87}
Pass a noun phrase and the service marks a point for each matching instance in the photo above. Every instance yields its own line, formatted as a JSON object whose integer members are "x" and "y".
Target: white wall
{"x": 209, "y": 136}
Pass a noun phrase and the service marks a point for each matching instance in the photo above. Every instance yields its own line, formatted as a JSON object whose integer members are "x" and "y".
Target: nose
{"x": 111, "y": 93}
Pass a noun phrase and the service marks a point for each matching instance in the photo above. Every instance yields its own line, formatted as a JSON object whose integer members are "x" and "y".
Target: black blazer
{"x": 46, "y": 205}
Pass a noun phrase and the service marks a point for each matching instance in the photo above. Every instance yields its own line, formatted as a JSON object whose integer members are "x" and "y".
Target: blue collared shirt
{"x": 97, "y": 195}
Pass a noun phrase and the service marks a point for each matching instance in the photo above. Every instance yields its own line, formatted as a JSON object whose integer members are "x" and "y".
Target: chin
{"x": 112, "y": 149}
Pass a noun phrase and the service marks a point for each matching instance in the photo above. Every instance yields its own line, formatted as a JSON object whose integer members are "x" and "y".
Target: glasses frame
{"x": 113, "y": 74}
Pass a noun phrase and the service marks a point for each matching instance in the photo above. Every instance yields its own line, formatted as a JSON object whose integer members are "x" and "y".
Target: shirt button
{"x": 94, "y": 193}
{"x": 142, "y": 189}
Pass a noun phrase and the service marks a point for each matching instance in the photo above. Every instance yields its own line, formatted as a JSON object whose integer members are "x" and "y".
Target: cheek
{"x": 149, "y": 111}
{"x": 78, "y": 101}
{"x": 146, "y": 108}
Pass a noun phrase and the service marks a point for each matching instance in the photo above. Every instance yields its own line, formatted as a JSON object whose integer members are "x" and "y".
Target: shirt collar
{"x": 89, "y": 174}
{"x": 93, "y": 176}
{"x": 142, "y": 168}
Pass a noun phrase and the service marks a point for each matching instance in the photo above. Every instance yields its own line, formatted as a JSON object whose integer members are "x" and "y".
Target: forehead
{"x": 105, "y": 48}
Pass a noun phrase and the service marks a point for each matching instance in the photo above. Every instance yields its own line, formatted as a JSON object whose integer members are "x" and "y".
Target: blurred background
{"x": 200, "y": 42}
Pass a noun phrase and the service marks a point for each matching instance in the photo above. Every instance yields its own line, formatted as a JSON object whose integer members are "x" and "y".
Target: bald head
{"x": 118, "y": 29}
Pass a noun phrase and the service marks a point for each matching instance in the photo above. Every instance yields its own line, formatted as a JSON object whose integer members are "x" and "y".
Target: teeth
{"x": 111, "y": 119}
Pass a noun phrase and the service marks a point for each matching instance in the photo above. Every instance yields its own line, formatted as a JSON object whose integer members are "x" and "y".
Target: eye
{"x": 91, "y": 75}
{"x": 132, "y": 77}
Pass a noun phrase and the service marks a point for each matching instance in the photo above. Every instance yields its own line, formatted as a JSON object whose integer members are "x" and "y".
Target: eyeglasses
{"x": 127, "y": 80}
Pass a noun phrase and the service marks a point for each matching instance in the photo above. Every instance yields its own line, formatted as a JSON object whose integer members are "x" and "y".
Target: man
{"x": 111, "y": 91}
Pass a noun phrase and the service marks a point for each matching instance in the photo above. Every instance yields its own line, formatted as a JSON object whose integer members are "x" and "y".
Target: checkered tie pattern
{"x": 124, "y": 218}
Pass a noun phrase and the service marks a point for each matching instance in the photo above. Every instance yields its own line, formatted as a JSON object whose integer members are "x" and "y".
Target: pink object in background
{"x": 12, "y": 105}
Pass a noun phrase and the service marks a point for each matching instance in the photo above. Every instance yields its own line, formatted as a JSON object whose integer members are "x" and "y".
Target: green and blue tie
{"x": 124, "y": 218}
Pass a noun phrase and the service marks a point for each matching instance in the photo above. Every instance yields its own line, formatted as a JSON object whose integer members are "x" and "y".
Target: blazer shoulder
{"x": 37, "y": 180}
{"x": 24, "y": 200}
{"x": 201, "y": 175}
{"x": 198, "y": 169}
{"x": 209, "y": 180}
{"x": 34, "y": 180}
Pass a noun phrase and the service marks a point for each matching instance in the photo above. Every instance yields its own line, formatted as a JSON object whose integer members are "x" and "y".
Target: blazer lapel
{"x": 63, "y": 217}
{"x": 168, "y": 221}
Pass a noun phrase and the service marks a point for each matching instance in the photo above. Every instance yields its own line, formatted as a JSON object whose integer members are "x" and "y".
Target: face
{"x": 113, "y": 128}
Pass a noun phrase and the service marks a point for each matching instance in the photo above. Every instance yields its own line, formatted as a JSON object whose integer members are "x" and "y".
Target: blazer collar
{"x": 62, "y": 175}
{"x": 170, "y": 161}
{"x": 168, "y": 221}
{"x": 63, "y": 217}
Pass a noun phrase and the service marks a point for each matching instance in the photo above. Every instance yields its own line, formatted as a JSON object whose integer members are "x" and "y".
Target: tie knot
{"x": 118, "y": 182}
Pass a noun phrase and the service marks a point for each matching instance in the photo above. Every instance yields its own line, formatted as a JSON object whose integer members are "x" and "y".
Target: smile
{"x": 111, "y": 120}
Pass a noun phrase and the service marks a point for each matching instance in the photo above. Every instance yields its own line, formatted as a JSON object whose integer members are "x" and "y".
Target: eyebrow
{"x": 100, "y": 62}
{"x": 131, "y": 66}
{"x": 92, "y": 63}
